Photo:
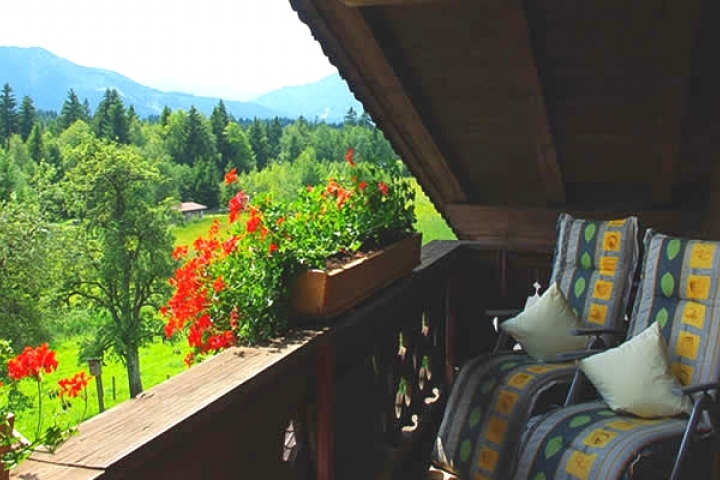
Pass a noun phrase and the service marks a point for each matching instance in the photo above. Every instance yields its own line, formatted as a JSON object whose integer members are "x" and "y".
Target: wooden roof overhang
{"x": 510, "y": 111}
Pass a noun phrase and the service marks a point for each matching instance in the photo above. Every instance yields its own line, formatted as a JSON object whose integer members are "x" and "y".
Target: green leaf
{"x": 673, "y": 248}
{"x": 579, "y": 421}
{"x": 590, "y": 231}
{"x": 553, "y": 446}
{"x": 586, "y": 261}
{"x": 662, "y": 317}
{"x": 465, "y": 449}
{"x": 475, "y": 417}
{"x": 606, "y": 413}
{"x": 540, "y": 476}
{"x": 667, "y": 284}
{"x": 579, "y": 287}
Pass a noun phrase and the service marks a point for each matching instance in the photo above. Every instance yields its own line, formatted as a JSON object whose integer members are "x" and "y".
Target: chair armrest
{"x": 699, "y": 387}
{"x": 618, "y": 332}
{"x": 577, "y": 355}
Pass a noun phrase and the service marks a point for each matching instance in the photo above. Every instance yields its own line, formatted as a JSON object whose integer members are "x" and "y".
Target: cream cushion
{"x": 544, "y": 328}
{"x": 636, "y": 378}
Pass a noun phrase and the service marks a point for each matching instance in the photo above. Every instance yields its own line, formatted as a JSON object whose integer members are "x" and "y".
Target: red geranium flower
{"x": 31, "y": 362}
{"x": 231, "y": 176}
{"x": 349, "y": 156}
{"x": 382, "y": 186}
{"x": 72, "y": 386}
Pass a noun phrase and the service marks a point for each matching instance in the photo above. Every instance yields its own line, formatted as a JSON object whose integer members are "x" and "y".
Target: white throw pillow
{"x": 544, "y": 328}
{"x": 636, "y": 378}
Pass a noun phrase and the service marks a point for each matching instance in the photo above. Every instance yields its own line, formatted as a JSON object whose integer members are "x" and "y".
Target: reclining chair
{"x": 656, "y": 390}
{"x": 494, "y": 395}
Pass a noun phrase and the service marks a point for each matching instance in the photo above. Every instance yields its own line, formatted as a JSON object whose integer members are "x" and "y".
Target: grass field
{"x": 157, "y": 363}
{"x": 159, "y": 360}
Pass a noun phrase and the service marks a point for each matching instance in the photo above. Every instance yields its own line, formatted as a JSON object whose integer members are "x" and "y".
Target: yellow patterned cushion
{"x": 636, "y": 377}
{"x": 544, "y": 329}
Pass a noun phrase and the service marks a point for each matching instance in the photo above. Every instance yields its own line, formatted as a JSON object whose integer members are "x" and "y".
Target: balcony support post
{"x": 325, "y": 424}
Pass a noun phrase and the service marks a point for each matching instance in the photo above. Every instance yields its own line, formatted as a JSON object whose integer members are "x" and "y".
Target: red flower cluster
{"x": 31, "y": 362}
{"x": 72, "y": 386}
{"x": 231, "y": 176}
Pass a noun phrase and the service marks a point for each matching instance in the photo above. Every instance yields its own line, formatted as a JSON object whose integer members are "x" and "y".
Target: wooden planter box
{"x": 318, "y": 294}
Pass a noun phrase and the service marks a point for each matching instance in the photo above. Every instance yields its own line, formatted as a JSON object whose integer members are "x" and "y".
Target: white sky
{"x": 234, "y": 49}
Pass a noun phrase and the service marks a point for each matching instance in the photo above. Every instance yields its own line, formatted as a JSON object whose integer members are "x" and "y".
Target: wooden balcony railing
{"x": 363, "y": 394}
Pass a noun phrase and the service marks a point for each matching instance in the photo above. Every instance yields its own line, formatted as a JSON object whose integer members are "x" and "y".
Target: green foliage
{"x": 29, "y": 255}
{"x": 72, "y": 111}
{"x": 110, "y": 121}
{"x": 8, "y": 115}
{"x": 122, "y": 257}
{"x": 26, "y": 118}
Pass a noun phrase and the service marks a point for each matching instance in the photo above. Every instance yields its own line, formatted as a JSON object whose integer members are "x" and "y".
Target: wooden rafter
{"x": 369, "y": 3}
{"x": 351, "y": 46}
{"x": 515, "y": 22}
{"x": 536, "y": 226}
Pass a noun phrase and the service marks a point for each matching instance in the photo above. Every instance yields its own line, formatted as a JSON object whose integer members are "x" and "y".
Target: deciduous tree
{"x": 124, "y": 258}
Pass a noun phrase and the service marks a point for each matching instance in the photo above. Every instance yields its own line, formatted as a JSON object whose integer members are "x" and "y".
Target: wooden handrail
{"x": 200, "y": 423}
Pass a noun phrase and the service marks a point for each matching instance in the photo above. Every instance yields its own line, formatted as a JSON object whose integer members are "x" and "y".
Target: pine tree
{"x": 72, "y": 111}
{"x": 219, "y": 120}
{"x": 274, "y": 132}
{"x": 8, "y": 115}
{"x": 26, "y": 118}
{"x": 198, "y": 142}
{"x": 259, "y": 143}
{"x": 365, "y": 121}
{"x": 35, "y": 144}
{"x": 110, "y": 121}
{"x": 86, "y": 111}
{"x": 165, "y": 115}
{"x": 351, "y": 117}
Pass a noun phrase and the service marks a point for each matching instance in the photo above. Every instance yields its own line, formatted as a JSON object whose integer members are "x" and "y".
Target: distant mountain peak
{"x": 47, "y": 78}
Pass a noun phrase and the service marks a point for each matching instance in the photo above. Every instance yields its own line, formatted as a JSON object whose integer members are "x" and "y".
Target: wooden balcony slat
{"x": 42, "y": 470}
{"x": 119, "y": 433}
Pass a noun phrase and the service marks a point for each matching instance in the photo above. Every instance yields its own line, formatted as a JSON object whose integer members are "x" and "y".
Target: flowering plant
{"x": 32, "y": 364}
{"x": 235, "y": 288}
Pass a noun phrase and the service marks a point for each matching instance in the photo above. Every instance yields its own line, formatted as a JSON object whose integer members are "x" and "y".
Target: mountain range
{"x": 47, "y": 79}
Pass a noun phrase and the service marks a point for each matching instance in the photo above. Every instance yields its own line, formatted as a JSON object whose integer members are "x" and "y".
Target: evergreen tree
{"x": 8, "y": 115}
{"x": 274, "y": 133}
{"x": 257, "y": 136}
{"x": 199, "y": 144}
{"x": 27, "y": 118}
{"x": 240, "y": 154}
{"x": 110, "y": 121}
{"x": 219, "y": 120}
{"x": 86, "y": 111}
{"x": 72, "y": 111}
{"x": 35, "y": 144}
{"x": 351, "y": 117}
{"x": 131, "y": 115}
{"x": 165, "y": 115}
{"x": 365, "y": 121}
{"x": 205, "y": 187}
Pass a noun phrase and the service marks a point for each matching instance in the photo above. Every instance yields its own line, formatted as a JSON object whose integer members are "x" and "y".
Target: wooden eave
{"x": 509, "y": 112}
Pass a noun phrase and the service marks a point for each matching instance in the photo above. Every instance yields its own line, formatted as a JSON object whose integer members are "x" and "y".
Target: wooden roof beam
{"x": 370, "y": 3}
{"x": 351, "y": 46}
{"x": 536, "y": 226}
{"x": 516, "y": 24}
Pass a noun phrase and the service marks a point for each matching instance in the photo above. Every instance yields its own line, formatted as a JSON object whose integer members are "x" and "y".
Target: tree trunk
{"x": 132, "y": 361}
